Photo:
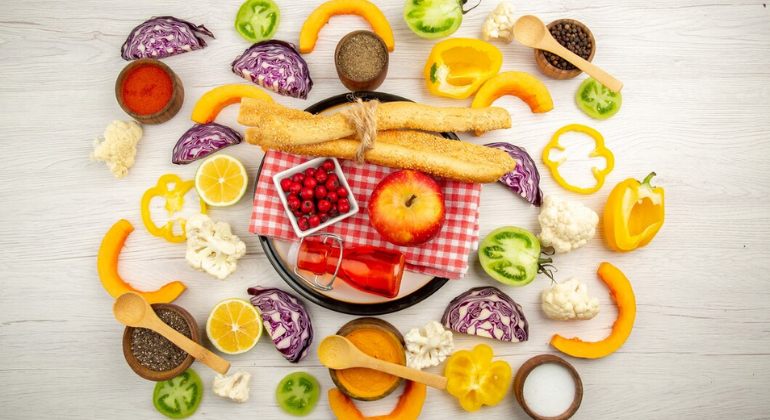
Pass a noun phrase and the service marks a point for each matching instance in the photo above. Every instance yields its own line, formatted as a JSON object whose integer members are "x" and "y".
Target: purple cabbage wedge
{"x": 162, "y": 37}
{"x": 286, "y": 320}
{"x": 524, "y": 179}
{"x": 202, "y": 140}
{"x": 275, "y": 65}
{"x": 487, "y": 312}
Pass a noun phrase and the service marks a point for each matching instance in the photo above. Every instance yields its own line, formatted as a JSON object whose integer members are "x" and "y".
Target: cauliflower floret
{"x": 428, "y": 346}
{"x": 212, "y": 247}
{"x": 499, "y": 23}
{"x": 569, "y": 300}
{"x": 565, "y": 225}
{"x": 234, "y": 387}
{"x": 119, "y": 146}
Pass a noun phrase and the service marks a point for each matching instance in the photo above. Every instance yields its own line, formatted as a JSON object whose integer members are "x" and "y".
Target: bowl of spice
{"x": 548, "y": 388}
{"x": 361, "y": 59}
{"x": 149, "y": 91}
{"x": 573, "y": 36}
{"x": 151, "y": 355}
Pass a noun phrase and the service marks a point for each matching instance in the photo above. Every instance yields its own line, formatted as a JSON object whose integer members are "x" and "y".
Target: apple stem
{"x": 409, "y": 201}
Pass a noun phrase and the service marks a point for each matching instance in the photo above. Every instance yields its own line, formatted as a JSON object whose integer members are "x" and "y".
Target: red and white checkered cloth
{"x": 444, "y": 256}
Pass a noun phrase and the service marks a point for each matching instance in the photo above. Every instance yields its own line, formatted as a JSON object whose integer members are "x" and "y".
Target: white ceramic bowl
{"x": 314, "y": 163}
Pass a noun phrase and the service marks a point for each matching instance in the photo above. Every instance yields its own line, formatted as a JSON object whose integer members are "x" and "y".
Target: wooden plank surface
{"x": 696, "y": 110}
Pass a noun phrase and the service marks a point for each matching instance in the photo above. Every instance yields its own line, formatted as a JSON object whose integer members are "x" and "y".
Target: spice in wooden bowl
{"x": 149, "y": 91}
{"x": 573, "y": 36}
{"x": 361, "y": 59}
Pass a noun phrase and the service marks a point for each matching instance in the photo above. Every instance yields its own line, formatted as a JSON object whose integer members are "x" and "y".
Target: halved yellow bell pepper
{"x": 634, "y": 214}
{"x": 457, "y": 67}
{"x": 475, "y": 379}
{"x": 174, "y": 203}
{"x": 622, "y": 293}
{"x": 599, "y": 151}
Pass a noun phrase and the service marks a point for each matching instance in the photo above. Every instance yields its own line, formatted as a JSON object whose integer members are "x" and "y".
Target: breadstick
{"x": 299, "y": 128}
{"x": 420, "y": 151}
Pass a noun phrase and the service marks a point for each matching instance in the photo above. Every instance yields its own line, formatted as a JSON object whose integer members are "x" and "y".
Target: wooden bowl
{"x": 168, "y": 111}
{"x": 362, "y": 85}
{"x": 523, "y": 373}
{"x": 154, "y": 375}
{"x": 377, "y": 324}
{"x": 552, "y": 71}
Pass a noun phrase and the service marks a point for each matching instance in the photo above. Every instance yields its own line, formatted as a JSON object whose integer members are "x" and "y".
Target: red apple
{"x": 407, "y": 208}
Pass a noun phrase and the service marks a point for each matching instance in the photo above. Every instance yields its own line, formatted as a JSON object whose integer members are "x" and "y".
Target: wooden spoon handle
{"x": 435, "y": 381}
{"x": 191, "y": 347}
{"x": 600, "y": 75}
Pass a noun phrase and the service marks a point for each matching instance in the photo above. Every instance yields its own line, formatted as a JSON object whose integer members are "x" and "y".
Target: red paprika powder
{"x": 147, "y": 89}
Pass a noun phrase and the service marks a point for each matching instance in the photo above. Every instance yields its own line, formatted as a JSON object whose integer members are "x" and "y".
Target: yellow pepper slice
{"x": 457, "y": 67}
{"x": 475, "y": 379}
{"x": 599, "y": 151}
{"x": 174, "y": 203}
{"x": 634, "y": 214}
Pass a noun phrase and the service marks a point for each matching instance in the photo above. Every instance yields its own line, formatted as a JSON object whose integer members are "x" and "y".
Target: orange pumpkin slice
{"x": 320, "y": 17}
{"x": 212, "y": 102}
{"x": 522, "y": 85}
{"x": 408, "y": 408}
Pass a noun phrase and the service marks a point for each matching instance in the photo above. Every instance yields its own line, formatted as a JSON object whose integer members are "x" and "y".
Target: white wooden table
{"x": 696, "y": 110}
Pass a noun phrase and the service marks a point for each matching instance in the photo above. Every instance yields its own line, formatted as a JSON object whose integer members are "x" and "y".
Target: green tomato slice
{"x": 433, "y": 18}
{"x": 510, "y": 255}
{"x": 178, "y": 397}
{"x": 596, "y": 100}
{"x": 297, "y": 394}
{"x": 257, "y": 20}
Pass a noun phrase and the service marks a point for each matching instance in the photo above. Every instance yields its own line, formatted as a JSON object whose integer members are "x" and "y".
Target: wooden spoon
{"x": 337, "y": 352}
{"x": 530, "y": 31}
{"x": 133, "y": 310}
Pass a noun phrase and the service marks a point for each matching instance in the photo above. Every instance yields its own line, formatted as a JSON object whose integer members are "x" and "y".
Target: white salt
{"x": 549, "y": 390}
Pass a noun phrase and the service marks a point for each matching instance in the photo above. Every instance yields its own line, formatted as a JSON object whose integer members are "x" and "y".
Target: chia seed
{"x": 361, "y": 57}
{"x": 153, "y": 350}
{"x": 571, "y": 37}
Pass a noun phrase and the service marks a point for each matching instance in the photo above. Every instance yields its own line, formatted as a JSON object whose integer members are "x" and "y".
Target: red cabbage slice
{"x": 487, "y": 312}
{"x": 286, "y": 320}
{"x": 275, "y": 65}
{"x": 202, "y": 140}
{"x": 524, "y": 179}
{"x": 162, "y": 37}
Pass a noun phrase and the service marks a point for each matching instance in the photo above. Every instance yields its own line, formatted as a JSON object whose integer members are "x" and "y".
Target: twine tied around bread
{"x": 363, "y": 118}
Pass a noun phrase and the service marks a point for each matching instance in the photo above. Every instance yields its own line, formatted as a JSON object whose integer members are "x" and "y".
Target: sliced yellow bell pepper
{"x": 622, "y": 293}
{"x": 475, "y": 379}
{"x": 174, "y": 203}
{"x": 634, "y": 214}
{"x": 599, "y": 151}
{"x": 457, "y": 67}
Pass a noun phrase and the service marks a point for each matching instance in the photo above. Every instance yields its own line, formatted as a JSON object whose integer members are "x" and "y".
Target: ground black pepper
{"x": 571, "y": 37}
{"x": 153, "y": 350}
{"x": 361, "y": 57}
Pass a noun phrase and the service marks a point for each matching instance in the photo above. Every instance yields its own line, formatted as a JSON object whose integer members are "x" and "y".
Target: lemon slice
{"x": 234, "y": 326}
{"x": 221, "y": 180}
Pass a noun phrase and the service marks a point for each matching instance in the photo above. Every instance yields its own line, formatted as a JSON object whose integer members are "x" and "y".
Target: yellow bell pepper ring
{"x": 634, "y": 214}
{"x": 475, "y": 379}
{"x": 457, "y": 67}
{"x": 174, "y": 203}
{"x": 599, "y": 151}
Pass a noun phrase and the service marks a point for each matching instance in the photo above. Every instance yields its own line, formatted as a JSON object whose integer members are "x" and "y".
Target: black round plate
{"x": 311, "y": 294}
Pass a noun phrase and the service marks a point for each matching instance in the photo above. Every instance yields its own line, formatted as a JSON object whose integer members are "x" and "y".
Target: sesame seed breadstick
{"x": 420, "y": 151}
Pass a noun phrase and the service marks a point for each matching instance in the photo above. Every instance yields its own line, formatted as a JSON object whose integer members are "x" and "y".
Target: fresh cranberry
{"x": 324, "y": 206}
{"x": 297, "y": 213}
{"x": 332, "y": 184}
{"x": 293, "y": 203}
{"x": 310, "y": 172}
{"x": 324, "y": 217}
{"x": 307, "y": 206}
{"x": 285, "y": 184}
{"x": 295, "y": 188}
{"x": 342, "y": 192}
{"x": 306, "y": 193}
{"x": 298, "y": 177}
{"x": 328, "y": 165}
{"x": 303, "y": 223}
{"x": 310, "y": 182}
{"x": 314, "y": 220}
{"x": 321, "y": 177}
{"x": 332, "y": 197}
{"x": 343, "y": 207}
{"x": 320, "y": 192}
{"x": 334, "y": 211}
